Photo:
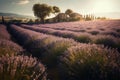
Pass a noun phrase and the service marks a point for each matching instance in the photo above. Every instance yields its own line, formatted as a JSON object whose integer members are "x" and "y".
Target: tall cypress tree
{"x": 3, "y": 21}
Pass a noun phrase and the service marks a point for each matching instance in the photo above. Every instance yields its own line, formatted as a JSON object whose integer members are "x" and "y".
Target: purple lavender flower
{"x": 4, "y": 33}
{"x": 9, "y": 47}
{"x": 90, "y": 62}
{"x": 21, "y": 68}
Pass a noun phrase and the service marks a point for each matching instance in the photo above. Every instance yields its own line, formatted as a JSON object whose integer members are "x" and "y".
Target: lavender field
{"x": 98, "y": 32}
{"x": 85, "y": 50}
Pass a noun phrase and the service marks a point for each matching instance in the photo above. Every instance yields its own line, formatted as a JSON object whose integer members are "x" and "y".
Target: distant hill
{"x": 113, "y": 15}
{"x": 15, "y": 15}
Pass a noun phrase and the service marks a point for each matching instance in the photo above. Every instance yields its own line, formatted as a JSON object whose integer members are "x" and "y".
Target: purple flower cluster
{"x": 9, "y": 47}
{"x": 76, "y": 61}
{"x": 79, "y": 36}
{"x": 6, "y": 45}
{"x": 84, "y": 26}
{"x": 99, "y": 32}
{"x": 41, "y": 44}
{"x": 14, "y": 66}
{"x": 21, "y": 68}
{"x": 108, "y": 27}
{"x": 4, "y": 33}
{"x": 90, "y": 62}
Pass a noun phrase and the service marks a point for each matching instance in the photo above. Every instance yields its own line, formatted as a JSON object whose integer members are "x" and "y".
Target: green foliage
{"x": 61, "y": 17}
{"x": 106, "y": 40}
{"x": 42, "y": 11}
{"x": 75, "y": 16}
{"x": 68, "y": 11}
{"x": 30, "y": 21}
{"x": 101, "y": 18}
{"x": 37, "y": 20}
{"x": 55, "y": 50}
{"x": 74, "y": 19}
{"x": 15, "y": 21}
{"x": 56, "y": 9}
{"x": 83, "y": 38}
{"x": 88, "y": 18}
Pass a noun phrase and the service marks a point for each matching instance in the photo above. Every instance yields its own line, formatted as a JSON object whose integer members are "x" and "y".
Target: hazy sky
{"x": 80, "y": 6}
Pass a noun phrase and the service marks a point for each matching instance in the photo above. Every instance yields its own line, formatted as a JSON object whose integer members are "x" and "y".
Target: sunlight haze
{"x": 79, "y": 6}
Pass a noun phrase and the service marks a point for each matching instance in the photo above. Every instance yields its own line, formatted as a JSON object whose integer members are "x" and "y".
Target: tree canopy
{"x": 68, "y": 11}
{"x": 56, "y": 9}
{"x": 42, "y": 11}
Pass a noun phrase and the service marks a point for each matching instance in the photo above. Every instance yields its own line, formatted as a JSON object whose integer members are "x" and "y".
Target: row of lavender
{"x": 107, "y": 40}
{"x": 6, "y": 45}
{"x": 74, "y": 60}
{"x": 14, "y": 66}
{"x": 108, "y": 27}
{"x": 3, "y": 33}
{"x": 40, "y": 44}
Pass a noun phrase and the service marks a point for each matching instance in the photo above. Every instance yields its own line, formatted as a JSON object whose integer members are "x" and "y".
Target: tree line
{"x": 41, "y": 11}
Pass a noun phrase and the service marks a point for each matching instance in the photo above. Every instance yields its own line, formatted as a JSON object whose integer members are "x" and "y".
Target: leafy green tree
{"x": 68, "y": 11}
{"x": 30, "y": 21}
{"x": 42, "y": 11}
{"x": 56, "y": 9}
{"x": 88, "y": 18}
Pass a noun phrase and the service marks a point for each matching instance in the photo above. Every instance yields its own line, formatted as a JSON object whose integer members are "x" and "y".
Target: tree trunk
{"x": 42, "y": 20}
{"x": 3, "y": 21}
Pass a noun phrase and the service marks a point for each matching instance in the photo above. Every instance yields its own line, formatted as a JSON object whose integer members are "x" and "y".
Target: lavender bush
{"x": 94, "y": 32}
{"x": 112, "y": 33}
{"x": 108, "y": 40}
{"x": 76, "y": 26}
{"x": 81, "y": 37}
{"x": 84, "y": 38}
{"x": 41, "y": 44}
{"x": 90, "y": 62}
{"x": 25, "y": 36}
{"x": 38, "y": 46}
{"x": 55, "y": 49}
{"x": 4, "y": 33}
{"x": 103, "y": 32}
{"x": 9, "y": 47}
{"x": 78, "y": 61}
{"x": 21, "y": 68}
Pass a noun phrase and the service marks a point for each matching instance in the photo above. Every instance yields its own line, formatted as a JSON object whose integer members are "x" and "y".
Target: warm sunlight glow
{"x": 103, "y": 6}
{"x": 107, "y": 8}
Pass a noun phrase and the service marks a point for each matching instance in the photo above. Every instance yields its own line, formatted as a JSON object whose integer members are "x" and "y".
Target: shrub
{"x": 4, "y": 33}
{"x": 48, "y": 46}
{"x": 21, "y": 68}
{"x": 38, "y": 46}
{"x": 90, "y": 62}
{"x": 55, "y": 49}
{"x": 83, "y": 38}
{"x": 108, "y": 40}
{"x": 9, "y": 47}
{"x": 112, "y": 33}
{"x": 24, "y": 36}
